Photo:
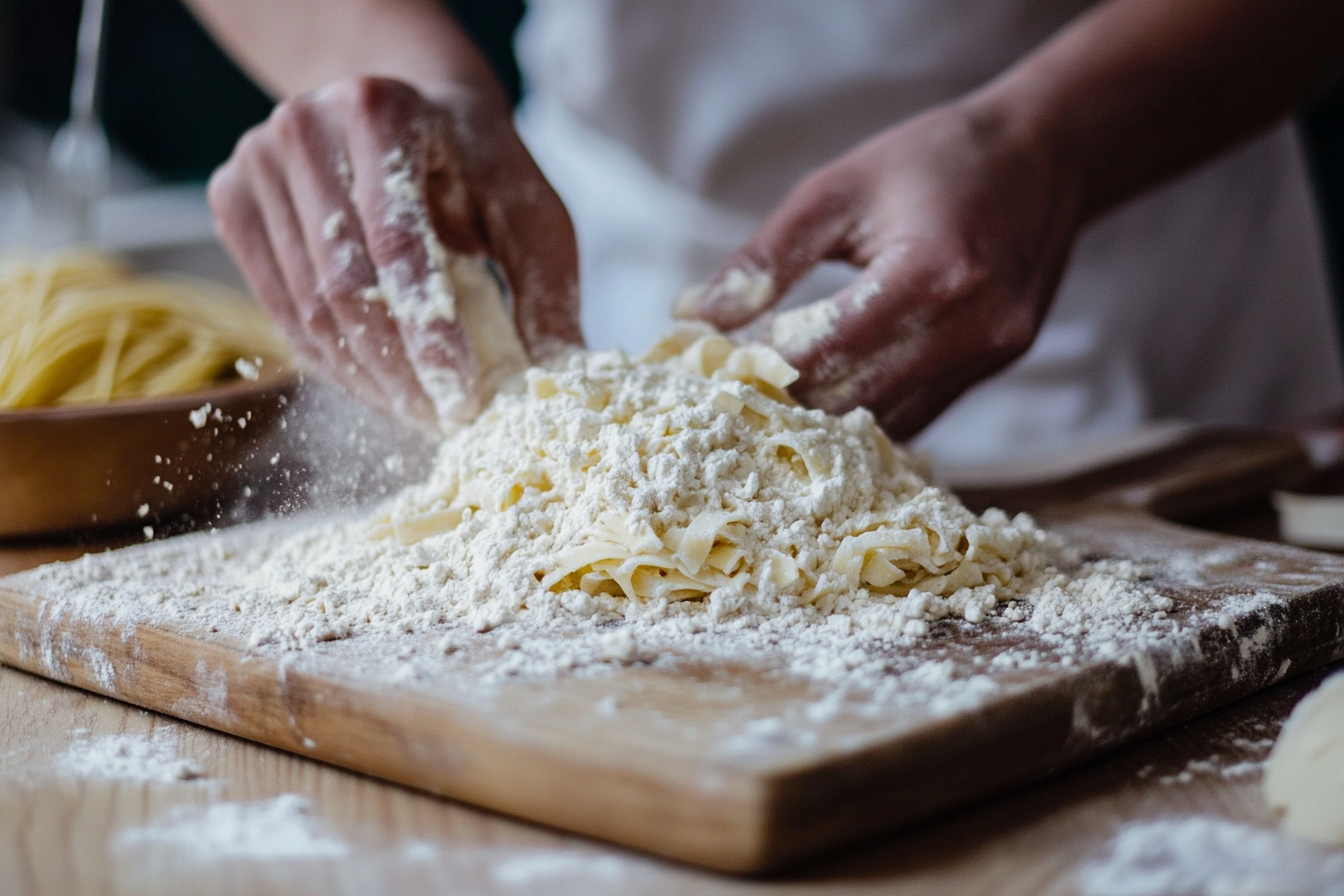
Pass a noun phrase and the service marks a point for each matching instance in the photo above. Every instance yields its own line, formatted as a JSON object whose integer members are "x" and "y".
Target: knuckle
{"x": 300, "y": 130}
{"x": 827, "y": 190}
{"x": 1017, "y": 331}
{"x": 252, "y": 142}
{"x": 389, "y": 243}
{"x": 342, "y": 94}
{"x": 954, "y": 268}
{"x": 282, "y": 116}
{"x": 965, "y": 274}
{"x": 289, "y": 119}
{"x": 374, "y": 96}
{"x": 222, "y": 190}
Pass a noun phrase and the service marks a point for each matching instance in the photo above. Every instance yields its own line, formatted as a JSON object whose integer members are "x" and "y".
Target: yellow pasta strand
{"x": 82, "y": 327}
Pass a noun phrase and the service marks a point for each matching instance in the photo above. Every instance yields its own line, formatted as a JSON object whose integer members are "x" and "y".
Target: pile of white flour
{"x": 663, "y": 511}
{"x": 682, "y": 490}
{"x": 657, "y": 511}
{"x": 279, "y": 828}
{"x": 1208, "y": 856}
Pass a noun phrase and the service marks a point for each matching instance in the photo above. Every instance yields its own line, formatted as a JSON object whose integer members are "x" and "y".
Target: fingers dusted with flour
{"x": 410, "y": 207}
{"x": 816, "y": 222}
{"x": 958, "y": 240}
{"x": 387, "y": 205}
{"x": 532, "y": 239}
{"x": 960, "y": 219}
{"x": 311, "y": 147}
{"x": 379, "y": 207}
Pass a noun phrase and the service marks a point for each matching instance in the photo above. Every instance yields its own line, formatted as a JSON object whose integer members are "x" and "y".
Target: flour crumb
{"x": 126, "y": 757}
{"x": 1247, "y": 769}
{"x": 1204, "y": 856}
{"x": 333, "y": 224}
{"x": 542, "y": 866}
{"x": 418, "y": 851}
{"x": 248, "y": 370}
{"x": 798, "y": 330}
{"x": 279, "y": 828}
{"x": 619, "y": 646}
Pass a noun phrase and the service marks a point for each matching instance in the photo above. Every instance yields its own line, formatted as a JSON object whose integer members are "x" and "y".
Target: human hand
{"x": 962, "y": 227}
{"x": 361, "y": 214}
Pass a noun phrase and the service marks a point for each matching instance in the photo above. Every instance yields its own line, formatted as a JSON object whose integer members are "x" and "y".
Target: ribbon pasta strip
{"x": 81, "y": 327}
{"x": 690, "y": 471}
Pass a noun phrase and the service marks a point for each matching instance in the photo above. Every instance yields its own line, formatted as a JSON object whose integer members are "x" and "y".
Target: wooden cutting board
{"x": 711, "y": 762}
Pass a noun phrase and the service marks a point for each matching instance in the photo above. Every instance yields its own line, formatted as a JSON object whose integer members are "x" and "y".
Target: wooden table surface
{"x": 66, "y": 832}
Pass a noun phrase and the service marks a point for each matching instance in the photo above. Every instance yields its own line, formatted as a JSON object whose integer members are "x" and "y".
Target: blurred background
{"x": 173, "y": 105}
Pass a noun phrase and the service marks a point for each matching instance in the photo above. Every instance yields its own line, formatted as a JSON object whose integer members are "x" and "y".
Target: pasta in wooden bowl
{"x": 124, "y": 397}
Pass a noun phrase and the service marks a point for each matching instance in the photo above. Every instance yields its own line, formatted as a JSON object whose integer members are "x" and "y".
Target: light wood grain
{"x": 58, "y": 832}
{"x": 1206, "y": 470}
{"x": 546, "y": 755}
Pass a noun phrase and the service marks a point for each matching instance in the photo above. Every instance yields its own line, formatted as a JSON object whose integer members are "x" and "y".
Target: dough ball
{"x": 1305, "y": 776}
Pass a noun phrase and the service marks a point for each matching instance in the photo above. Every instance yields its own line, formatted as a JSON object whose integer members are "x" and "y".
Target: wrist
{"x": 402, "y": 41}
{"x": 1016, "y": 138}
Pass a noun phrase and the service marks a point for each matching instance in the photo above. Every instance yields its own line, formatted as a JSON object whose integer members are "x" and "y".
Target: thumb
{"x": 812, "y": 224}
{"x": 530, "y": 235}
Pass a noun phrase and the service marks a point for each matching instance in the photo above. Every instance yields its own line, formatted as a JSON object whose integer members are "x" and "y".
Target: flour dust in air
{"x": 682, "y": 485}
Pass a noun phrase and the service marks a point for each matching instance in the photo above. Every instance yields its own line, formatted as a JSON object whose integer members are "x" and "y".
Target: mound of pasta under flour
{"x": 683, "y": 487}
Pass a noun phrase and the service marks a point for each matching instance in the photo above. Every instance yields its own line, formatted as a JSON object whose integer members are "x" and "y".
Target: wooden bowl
{"x": 80, "y": 467}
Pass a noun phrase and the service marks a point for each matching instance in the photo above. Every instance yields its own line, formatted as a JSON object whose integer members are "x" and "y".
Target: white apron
{"x": 670, "y": 129}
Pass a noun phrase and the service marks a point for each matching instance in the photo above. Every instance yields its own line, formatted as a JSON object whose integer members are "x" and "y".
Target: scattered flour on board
{"x": 279, "y": 828}
{"x": 128, "y": 757}
{"x": 682, "y": 494}
{"x": 656, "y": 511}
{"x": 1204, "y": 856}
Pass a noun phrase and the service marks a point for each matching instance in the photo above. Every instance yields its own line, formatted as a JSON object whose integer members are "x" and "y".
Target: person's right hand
{"x": 346, "y": 211}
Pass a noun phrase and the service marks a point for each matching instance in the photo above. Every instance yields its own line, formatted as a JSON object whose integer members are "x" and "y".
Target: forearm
{"x": 1138, "y": 90}
{"x": 292, "y": 46}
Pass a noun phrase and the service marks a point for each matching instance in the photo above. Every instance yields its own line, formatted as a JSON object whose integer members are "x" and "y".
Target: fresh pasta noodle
{"x": 689, "y": 474}
{"x": 81, "y": 327}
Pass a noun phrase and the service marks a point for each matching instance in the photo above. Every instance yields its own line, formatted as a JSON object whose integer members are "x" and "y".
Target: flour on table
{"x": 128, "y": 757}
{"x": 279, "y": 828}
{"x": 533, "y": 867}
{"x": 1238, "y": 759}
{"x": 1204, "y": 856}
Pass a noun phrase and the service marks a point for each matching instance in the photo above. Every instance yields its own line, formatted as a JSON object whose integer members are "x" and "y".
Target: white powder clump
{"x": 126, "y": 757}
{"x": 1075, "y": 605}
{"x": 798, "y": 330}
{"x": 439, "y": 289}
{"x": 280, "y": 828}
{"x": 685, "y": 484}
{"x": 533, "y": 867}
{"x": 670, "y": 510}
{"x": 1201, "y": 856}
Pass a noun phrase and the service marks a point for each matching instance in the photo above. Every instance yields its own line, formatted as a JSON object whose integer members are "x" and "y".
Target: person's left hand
{"x": 962, "y": 226}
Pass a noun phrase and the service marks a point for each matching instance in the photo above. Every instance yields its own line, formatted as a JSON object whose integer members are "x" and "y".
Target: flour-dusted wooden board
{"x": 723, "y": 764}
